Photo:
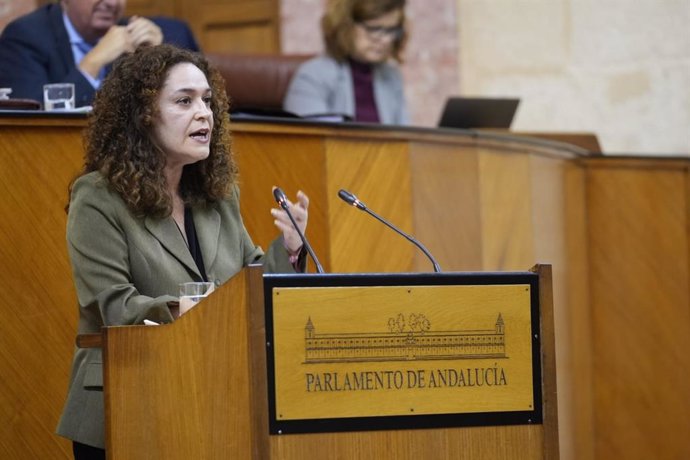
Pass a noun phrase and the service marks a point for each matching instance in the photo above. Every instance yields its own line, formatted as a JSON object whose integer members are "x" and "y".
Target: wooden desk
{"x": 614, "y": 229}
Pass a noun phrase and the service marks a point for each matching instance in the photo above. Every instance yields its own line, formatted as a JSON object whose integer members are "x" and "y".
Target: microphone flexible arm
{"x": 281, "y": 199}
{"x": 351, "y": 199}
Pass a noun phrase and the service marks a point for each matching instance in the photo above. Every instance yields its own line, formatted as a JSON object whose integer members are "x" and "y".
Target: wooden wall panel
{"x": 640, "y": 308}
{"x": 379, "y": 174}
{"x": 549, "y": 202}
{"x": 38, "y": 305}
{"x": 252, "y": 38}
{"x": 237, "y": 26}
{"x": 151, "y": 8}
{"x": 445, "y": 190}
{"x": 506, "y": 211}
{"x": 246, "y": 26}
{"x": 575, "y": 364}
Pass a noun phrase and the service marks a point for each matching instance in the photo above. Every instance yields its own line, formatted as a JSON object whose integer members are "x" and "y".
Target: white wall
{"x": 618, "y": 68}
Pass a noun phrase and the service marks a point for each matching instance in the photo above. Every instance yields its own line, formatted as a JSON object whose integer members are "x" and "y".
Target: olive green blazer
{"x": 126, "y": 269}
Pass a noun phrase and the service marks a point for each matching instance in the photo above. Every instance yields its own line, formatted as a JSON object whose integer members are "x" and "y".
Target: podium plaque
{"x": 371, "y": 352}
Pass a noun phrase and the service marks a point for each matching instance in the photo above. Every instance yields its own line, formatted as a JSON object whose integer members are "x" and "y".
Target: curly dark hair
{"x": 341, "y": 16}
{"x": 119, "y": 137}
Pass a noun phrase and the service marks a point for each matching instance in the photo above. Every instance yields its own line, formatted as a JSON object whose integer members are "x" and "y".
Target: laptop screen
{"x": 478, "y": 112}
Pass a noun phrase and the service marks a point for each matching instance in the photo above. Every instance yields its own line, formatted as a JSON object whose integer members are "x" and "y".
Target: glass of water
{"x": 58, "y": 96}
{"x": 192, "y": 293}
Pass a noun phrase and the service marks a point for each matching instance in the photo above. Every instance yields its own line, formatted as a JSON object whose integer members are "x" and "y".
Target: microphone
{"x": 281, "y": 199}
{"x": 350, "y": 199}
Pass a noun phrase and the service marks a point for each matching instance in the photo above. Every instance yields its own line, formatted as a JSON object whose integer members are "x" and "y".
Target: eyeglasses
{"x": 393, "y": 33}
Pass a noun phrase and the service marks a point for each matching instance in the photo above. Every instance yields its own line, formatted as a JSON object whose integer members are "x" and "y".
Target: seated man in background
{"x": 75, "y": 41}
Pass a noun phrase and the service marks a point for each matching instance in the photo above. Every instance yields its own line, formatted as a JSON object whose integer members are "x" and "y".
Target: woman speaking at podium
{"x": 155, "y": 206}
{"x": 356, "y": 77}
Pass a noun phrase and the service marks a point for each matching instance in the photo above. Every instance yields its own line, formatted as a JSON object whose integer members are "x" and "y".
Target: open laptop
{"x": 478, "y": 112}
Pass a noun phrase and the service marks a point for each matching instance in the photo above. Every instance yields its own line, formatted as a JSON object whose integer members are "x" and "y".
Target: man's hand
{"x": 113, "y": 44}
{"x": 143, "y": 31}
{"x": 119, "y": 40}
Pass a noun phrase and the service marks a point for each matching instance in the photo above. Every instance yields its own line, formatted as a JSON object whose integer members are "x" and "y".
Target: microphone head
{"x": 347, "y": 197}
{"x": 280, "y": 197}
{"x": 350, "y": 199}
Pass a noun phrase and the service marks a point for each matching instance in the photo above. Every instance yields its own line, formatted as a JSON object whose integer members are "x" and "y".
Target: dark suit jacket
{"x": 126, "y": 269}
{"x": 35, "y": 50}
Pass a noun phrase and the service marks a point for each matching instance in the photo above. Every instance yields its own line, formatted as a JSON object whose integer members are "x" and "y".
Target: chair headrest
{"x": 256, "y": 80}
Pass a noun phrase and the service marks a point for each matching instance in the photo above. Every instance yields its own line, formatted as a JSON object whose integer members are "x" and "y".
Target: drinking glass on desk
{"x": 192, "y": 293}
{"x": 58, "y": 96}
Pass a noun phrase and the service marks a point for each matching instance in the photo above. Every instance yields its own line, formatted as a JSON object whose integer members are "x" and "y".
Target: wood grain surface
{"x": 615, "y": 231}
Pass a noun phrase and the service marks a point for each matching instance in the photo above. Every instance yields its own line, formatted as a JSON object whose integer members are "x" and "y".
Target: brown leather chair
{"x": 256, "y": 81}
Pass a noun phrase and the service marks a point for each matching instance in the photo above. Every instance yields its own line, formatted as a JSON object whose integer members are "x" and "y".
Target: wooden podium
{"x": 201, "y": 387}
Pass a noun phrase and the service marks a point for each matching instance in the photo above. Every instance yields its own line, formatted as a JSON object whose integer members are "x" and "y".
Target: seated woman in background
{"x": 355, "y": 77}
{"x": 155, "y": 206}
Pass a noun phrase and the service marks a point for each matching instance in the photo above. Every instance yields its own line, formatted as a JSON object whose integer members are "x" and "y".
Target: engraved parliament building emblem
{"x": 408, "y": 338}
